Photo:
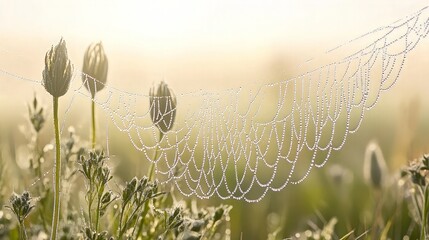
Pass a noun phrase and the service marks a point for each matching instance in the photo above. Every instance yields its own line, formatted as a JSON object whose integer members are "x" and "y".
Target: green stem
{"x": 22, "y": 232}
{"x": 145, "y": 211}
{"x": 212, "y": 229}
{"x": 56, "y": 216}
{"x": 120, "y": 221}
{"x": 150, "y": 176}
{"x": 90, "y": 201}
{"x": 97, "y": 214}
{"x": 425, "y": 213}
{"x": 38, "y": 155}
{"x": 152, "y": 166}
{"x": 41, "y": 187}
{"x": 93, "y": 123}
{"x": 130, "y": 217}
{"x": 123, "y": 227}
{"x": 42, "y": 216}
{"x": 422, "y": 192}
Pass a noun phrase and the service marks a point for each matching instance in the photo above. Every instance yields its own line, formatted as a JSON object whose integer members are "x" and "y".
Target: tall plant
{"x": 95, "y": 67}
{"x": 56, "y": 80}
{"x": 162, "y": 112}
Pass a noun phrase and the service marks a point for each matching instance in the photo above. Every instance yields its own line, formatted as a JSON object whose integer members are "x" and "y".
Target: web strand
{"x": 243, "y": 143}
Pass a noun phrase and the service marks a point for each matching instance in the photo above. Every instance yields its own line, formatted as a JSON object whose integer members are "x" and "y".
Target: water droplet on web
{"x": 223, "y": 140}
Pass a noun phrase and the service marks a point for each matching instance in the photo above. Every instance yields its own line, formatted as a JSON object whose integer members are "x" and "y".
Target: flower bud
{"x": 95, "y": 65}
{"x": 218, "y": 214}
{"x": 107, "y": 196}
{"x": 21, "y": 205}
{"x": 375, "y": 169}
{"x": 37, "y": 116}
{"x": 58, "y": 70}
{"x": 162, "y": 107}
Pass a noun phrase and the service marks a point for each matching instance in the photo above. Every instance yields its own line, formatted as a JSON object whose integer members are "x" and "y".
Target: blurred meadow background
{"x": 218, "y": 45}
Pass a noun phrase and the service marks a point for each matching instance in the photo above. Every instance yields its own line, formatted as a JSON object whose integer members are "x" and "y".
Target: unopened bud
{"x": 95, "y": 65}
{"x": 162, "y": 107}
{"x": 58, "y": 70}
{"x": 375, "y": 169}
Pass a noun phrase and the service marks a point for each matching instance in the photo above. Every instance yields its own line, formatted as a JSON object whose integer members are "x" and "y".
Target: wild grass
{"x": 85, "y": 201}
{"x": 136, "y": 209}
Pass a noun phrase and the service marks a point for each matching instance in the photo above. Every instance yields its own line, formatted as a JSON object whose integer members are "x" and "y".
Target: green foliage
{"x": 21, "y": 206}
{"x": 418, "y": 175}
{"x": 137, "y": 209}
{"x": 96, "y": 175}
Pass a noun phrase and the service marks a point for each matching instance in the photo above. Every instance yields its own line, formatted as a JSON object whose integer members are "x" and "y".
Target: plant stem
{"x": 152, "y": 166}
{"x": 423, "y": 233}
{"x": 22, "y": 232}
{"x": 123, "y": 227}
{"x": 93, "y": 122}
{"x": 38, "y": 155}
{"x": 56, "y": 216}
{"x": 41, "y": 187}
{"x": 145, "y": 211}
{"x": 130, "y": 217}
{"x": 97, "y": 214}
{"x": 150, "y": 176}
{"x": 90, "y": 201}
{"x": 120, "y": 221}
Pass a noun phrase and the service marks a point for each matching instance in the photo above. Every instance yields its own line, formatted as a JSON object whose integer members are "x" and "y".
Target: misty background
{"x": 216, "y": 45}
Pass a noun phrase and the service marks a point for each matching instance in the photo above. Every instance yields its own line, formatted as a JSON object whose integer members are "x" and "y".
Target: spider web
{"x": 242, "y": 143}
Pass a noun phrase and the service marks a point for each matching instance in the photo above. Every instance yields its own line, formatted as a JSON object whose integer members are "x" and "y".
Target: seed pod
{"x": 162, "y": 107}
{"x": 58, "y": 70}
{"x": 375, "y": 169}
{"x": 95, "y": 65}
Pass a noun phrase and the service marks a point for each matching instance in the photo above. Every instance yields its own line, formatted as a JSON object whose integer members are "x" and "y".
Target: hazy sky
{"x": 221, "y": 40}
{"x": 175, "y": 24}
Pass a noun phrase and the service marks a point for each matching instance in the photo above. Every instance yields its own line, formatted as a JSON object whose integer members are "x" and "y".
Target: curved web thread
{"x": 242, "y": 143}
